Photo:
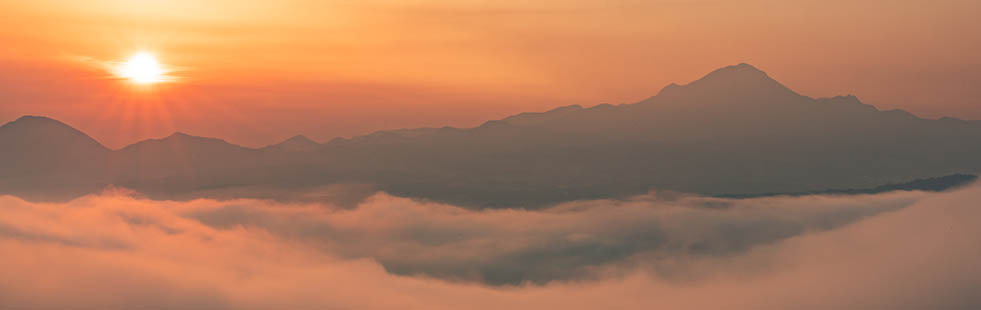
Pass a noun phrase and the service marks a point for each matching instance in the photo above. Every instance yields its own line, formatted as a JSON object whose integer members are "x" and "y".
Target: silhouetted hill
{"x": 734, "y": 131}
{"x": 44, "y": 137}
{"x": 42, "y": 157}
{"x": 177, "y": 156}
{"x": 181, "y": 143}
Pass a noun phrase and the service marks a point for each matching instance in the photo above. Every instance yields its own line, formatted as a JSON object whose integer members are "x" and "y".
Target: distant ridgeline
{"x": 937, "y": 184}
{"x": 734, "y": 132}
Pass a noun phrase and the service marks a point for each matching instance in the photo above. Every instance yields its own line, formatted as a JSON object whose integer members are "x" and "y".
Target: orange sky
{"x": 255, "y": 72}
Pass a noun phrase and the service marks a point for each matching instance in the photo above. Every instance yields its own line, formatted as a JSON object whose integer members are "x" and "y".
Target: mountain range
{"x": 735, "y": 131}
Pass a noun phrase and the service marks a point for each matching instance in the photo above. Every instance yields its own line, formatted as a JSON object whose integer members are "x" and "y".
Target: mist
{"x": 119, "y": 251}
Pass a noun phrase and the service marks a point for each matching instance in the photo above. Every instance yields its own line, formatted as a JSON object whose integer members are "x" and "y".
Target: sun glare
{"x": 142, "y": 68}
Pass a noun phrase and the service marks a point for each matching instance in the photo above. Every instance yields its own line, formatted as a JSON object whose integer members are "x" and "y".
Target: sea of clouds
{"x": 119, "y": 251}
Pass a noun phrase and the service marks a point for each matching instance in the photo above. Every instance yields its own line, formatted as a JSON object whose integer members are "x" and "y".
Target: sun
{"x": 141, "y": 68}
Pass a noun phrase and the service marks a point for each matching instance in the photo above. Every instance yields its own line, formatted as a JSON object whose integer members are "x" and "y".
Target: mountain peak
{"x": 741, "y": 80}
{"x": 178, "y": 138}
{"x": 184, "y": 137}
{"x": 743, "y": 66}
{"x": 740, "y": 72}
{"x": 300, "y": 138}
{"x": 296, "y": 143}
{"x": 738, "y": 68}
{"x": 179, "y": 135}
{"x": 34, "y": 120}
{"x": 27, "y": 118}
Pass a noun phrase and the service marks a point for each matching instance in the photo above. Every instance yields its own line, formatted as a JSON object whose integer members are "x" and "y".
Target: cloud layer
{"x": 903, "y": 249}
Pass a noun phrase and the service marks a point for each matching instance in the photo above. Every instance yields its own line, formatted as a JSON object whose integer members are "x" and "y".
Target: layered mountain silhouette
{"x": 735, "y": 131}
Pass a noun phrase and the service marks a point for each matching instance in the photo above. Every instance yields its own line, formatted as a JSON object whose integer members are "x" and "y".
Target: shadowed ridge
{"x": 401, "y": 135}
{"x": 537, "y": 116}
{"x": 847, "y": 103}
{"x": 180, "y": 138}
{"x": 180, "y": 160}
{"x": 851, "y": 104}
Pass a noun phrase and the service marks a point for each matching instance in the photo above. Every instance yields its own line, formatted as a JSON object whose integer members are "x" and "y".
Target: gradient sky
{"x": 255, "y": 72}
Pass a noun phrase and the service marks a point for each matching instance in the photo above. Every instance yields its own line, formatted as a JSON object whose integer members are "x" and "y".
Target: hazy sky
{"x": 255, "y": 72}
